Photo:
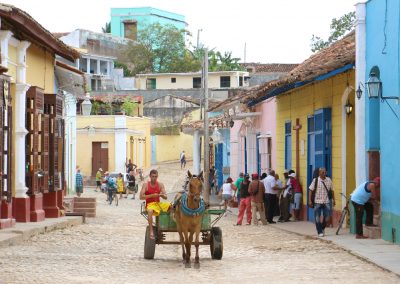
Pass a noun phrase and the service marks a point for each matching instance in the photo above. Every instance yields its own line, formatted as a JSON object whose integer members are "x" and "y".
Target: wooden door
{"x": 99, "y": 157}
{"x": 5, "y": 139}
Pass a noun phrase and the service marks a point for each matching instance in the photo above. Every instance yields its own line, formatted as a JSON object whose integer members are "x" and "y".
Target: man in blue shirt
{"x": 360, "y": 199}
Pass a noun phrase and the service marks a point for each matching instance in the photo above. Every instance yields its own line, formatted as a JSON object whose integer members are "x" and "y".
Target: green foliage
{"x": 162, "y": 49}
{"x": 339, "y": 28}
{"x": 107, "y": 28}
{"x": 95, "y": 108}
{"x": 129, "y": 107}
{"x": 127, "y": 72}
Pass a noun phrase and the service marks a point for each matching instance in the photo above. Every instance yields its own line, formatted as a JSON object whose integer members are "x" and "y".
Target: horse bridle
{"x": 198, "y": 195}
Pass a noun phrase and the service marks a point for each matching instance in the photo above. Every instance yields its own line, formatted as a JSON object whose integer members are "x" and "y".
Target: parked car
{"x": 125, "y": 177}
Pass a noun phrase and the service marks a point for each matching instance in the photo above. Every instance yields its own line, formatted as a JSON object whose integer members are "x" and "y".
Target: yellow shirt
{"x": 120, "y": 185}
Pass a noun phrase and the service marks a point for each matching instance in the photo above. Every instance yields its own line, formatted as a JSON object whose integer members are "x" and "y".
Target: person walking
{"x": 360, "y": 199}
{"x": 228, "y": 190}
{"x": 237, "y": 184}
{"x": 78, "y": 183}
{"x": 120, "y": 185}
{"x": 256, "y": 191}
{"x": 270, "y": 197}
{"x": 98, "y": 179}
{"x": 182, "y": 159}
{"x": 245, "y": 200}
{"x": 322, "y": 188}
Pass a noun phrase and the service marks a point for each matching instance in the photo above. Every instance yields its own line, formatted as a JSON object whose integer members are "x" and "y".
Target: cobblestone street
{"x": 109, "y": 249}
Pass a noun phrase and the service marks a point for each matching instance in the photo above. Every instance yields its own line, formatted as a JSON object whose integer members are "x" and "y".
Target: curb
{"x": 15, "y": 235}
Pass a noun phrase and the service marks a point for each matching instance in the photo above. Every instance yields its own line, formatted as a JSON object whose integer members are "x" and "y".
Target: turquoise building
{"x": 378, "y": 108}
{"x": 126, "y": 22}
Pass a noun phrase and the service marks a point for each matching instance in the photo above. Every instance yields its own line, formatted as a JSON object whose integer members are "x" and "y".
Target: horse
{"x": 188, "y": 214}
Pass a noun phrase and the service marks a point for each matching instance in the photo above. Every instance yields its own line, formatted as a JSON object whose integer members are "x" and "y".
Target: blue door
{"x": 219, "y": 164}
{"x": 153, "y": 149}
{"x": 320, "y": 145}
{"x": 258, "y": 155}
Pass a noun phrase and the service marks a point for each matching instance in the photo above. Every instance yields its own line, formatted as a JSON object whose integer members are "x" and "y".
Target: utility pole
{"x": 206, "y": 193}
{"x": 244, "y": 58}
{"x": 198, "y": 38}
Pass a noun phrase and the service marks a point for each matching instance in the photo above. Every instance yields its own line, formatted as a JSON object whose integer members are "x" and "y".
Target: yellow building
{"x": 109, "y": 141}
{"x": 315, "y": 120}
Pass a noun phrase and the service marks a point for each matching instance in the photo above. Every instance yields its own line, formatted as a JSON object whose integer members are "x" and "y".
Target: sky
{"x": 273, "y": 31}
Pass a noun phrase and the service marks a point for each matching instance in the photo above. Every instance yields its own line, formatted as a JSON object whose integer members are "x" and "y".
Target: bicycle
{"x": 345, "y": 211}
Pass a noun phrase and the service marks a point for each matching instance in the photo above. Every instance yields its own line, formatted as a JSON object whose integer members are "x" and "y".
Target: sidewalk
{"x": 384, "y": 254}
{"x": 24, "y": 231}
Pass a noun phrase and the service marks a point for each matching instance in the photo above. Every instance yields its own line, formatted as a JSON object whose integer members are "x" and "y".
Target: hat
{"x": 100, "y": 169}
{"x": 247, "y": 176}
{"x": 377, "y": 180}
{"x": 254, "y": 176}
{"x": 293, "y": 175}
{"x": 290, "y": 172}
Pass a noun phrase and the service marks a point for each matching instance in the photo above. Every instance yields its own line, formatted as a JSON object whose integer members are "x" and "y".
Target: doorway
{"x": 99, "y": 157}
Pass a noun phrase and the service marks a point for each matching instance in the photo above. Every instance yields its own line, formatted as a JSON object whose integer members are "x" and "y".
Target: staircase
{"x": 374, "y": 232}
{"x": 84, "y": 205}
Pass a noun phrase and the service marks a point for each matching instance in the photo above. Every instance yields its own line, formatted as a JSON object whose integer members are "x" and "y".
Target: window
{"x": 173, "y": 80}
{"x": 225, "y": 81}
{"x": 151, "y": 84}
{"x": 130, "y": 29}
{"x": 196, "y": 82}
{"x": 288, "y": 145}
{"x": 240, "y": 81}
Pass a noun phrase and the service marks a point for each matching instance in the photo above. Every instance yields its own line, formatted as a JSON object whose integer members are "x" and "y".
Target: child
{"x": 120, "y": 185}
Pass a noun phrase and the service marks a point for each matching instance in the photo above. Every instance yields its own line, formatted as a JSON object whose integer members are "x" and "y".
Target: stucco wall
{"x": 303, "y": 102}
{"x": 382, "y": 125}
{"x": 169, "y": 147}
{"x": 40, "y": 68}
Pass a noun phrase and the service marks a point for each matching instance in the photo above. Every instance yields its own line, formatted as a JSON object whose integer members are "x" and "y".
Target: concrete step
{"x": 90, "y": 212}
{"x": 85, "y": 205}
{"x": 372, "y": 232}
{"x": 84, "y": 199}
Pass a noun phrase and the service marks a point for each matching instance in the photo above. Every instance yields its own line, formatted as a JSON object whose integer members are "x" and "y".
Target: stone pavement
{"x": 377, "y": 251}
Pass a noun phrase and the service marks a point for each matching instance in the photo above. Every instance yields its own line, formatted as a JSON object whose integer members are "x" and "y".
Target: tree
{"x": 162, "y": 49}
{"x": 339, "y": 28}
{"x": 129, "y": 106}
{"x": 107, "y": 28}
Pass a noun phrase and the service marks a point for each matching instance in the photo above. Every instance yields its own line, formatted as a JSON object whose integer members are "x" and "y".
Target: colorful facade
{"x": 378, "y": 153}
{"x": 33, "y": 183}
{"x": 108, "y": 141}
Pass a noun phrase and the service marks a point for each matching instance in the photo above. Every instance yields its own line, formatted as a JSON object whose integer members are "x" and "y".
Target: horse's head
{"x": 195, "y": 186}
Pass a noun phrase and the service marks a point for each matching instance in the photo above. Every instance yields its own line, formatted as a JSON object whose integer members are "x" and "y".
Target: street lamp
{"x": 348, "y": 107}
{"x": 374, "y": 84}
{"x": 86, "y": 105}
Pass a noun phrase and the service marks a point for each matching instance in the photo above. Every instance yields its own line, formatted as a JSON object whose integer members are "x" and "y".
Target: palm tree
{"x": 107, "y": 28}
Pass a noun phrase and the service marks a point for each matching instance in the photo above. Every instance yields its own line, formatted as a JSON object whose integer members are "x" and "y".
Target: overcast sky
{"x": 275, "y": 31}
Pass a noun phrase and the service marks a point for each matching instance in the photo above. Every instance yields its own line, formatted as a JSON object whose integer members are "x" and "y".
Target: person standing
{"x": 78, "y": 183}
{"x": 98, "y": 179}
{"x": 182, "y": 158}
{"x": 237, "y": 184}
{"x": 131, "y": 184}
{"x": 151, "y": 192}
{"x": 322, "y": 193}
{"x": 270, "y": 197}
{"x": 120, "y": 185}
{"x": 228, "y": 191}
{"x": 360, "y": 199}
{"x": 256, "y": 191}
{"x": 211, "y": 179}
{"x": 297, "y": 192}
{"x": 245, "y": 200}
{"x": 130, "y": 166}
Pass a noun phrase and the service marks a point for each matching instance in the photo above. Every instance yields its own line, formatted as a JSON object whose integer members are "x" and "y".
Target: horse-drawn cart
{"x": 210, "y": 235}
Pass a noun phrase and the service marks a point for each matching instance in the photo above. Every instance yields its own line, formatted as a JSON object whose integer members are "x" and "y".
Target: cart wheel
{"x": 149, "y": 244}
{"x": 216, "y": 244}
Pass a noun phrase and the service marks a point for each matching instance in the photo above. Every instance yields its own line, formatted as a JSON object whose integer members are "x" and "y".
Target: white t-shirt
{"x": 226, "y": 188}
{"x": 269, "y": 183}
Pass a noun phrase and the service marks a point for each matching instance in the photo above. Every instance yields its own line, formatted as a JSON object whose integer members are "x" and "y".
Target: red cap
{"x": 377, "y": 180}
{"x": 254, "y": 176}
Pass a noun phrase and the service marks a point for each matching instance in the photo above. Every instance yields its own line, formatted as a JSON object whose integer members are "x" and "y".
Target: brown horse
{"x": 188, "y": 215}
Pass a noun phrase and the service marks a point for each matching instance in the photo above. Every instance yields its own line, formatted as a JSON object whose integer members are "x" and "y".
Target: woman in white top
{"x": 228, "y": 190}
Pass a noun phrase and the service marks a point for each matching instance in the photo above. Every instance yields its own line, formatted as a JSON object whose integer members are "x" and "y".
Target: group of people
{"x": 265, "y": 195}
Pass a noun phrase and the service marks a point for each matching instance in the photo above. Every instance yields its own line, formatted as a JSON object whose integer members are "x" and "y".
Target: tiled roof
{"x": 337, "y": 55}
{"x": 211, "y": 102}
{"x": 270, "y": 67}
{"x": 219, "y": 121}
{"x": 106, "y": 97}
{"x": 24, "y": 26}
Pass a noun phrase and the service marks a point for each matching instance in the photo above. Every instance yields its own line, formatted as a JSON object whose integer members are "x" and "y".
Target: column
{"x": 120, "y": 143}
{"x": 361, "y": 160}
{"x": 196, "y": 152}
{"x": 88, "y": 65}
{"x": 4, "y": 38}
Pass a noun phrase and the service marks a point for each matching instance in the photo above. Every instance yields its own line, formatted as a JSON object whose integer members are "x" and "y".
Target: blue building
{"x": 377, "y": 107}
{"x": 126, "y": 22}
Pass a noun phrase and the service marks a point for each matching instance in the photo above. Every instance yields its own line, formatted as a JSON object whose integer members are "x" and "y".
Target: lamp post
{"x": 86, "y": 105}
{"x": 349, "y": 108}
{"x": 374, "y": 86}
